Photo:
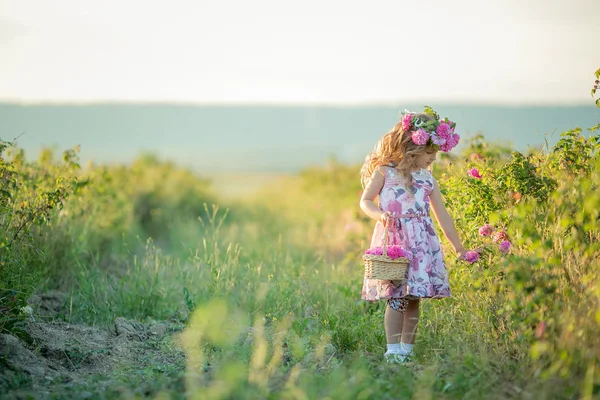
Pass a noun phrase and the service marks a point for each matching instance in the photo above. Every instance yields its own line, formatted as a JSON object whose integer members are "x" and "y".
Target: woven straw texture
{"x": 384, "y": 267}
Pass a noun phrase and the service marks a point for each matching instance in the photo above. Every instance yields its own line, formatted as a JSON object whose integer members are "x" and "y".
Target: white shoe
{"x": 395, "y": 358}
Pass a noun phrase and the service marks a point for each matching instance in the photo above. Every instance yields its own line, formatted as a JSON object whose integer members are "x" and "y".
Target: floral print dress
{"x": 412, "y": 229}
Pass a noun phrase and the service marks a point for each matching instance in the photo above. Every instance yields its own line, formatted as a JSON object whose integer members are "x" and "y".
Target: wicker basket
{"x": 384, "y": 267}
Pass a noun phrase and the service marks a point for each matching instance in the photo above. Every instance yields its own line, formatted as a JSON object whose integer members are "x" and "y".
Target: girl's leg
{"x": 393, "y": 321}
{"x": 409, "y": 326}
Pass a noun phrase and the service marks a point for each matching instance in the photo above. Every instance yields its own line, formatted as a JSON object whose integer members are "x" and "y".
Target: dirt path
{"x": 77, "y": 361}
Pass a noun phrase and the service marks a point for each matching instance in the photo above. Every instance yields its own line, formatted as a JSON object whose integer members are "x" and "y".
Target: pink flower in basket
{"x": 376, "y": 251}
{"x": 393, "y": 252}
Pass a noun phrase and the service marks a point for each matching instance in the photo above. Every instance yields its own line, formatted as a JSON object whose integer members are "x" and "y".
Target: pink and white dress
{"x": 413, "y": 229}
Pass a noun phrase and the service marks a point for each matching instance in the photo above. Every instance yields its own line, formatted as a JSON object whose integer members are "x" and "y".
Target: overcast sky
{"x": 304, "y": 51}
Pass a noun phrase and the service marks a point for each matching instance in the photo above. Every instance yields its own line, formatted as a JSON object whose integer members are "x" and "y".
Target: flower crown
{"x": 436, "y": 132}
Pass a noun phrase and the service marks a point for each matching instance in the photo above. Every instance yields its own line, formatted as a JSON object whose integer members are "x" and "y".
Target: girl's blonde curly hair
{"x": 396, "y": 147}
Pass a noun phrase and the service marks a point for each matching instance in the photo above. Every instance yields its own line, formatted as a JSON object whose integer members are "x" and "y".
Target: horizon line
{"x": 285, "y": 104}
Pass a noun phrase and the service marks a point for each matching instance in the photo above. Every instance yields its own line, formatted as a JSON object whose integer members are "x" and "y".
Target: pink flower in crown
{"x": 486, "y": 230}
{"x": 438, "y": 140}
{"x": 453, "y": 141}
{"x": 420, "y": 137}
{"x": 474, "y": 173}
{"x": 504, "y": 246}
{"x": 471, "y": 256}
{"x": 443, "y": 130}
{"x": 406, "y": 122}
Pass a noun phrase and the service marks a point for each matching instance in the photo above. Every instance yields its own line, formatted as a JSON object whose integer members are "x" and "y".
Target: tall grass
{"x": 269, "y": 287}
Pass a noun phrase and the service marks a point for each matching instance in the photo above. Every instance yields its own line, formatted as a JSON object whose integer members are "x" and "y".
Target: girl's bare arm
{"x": 445, "y": 220}
{"x": 367, "y": 200}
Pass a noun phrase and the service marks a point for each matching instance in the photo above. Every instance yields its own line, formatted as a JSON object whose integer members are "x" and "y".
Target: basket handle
{"x": 384, "y": 239}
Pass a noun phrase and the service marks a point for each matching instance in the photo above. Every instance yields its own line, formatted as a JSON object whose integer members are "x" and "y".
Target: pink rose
{"x": 474, "y": 173}
{"x": 420, "y": 137}
{"x": 395, "y": 251}
{"x": 486, "y": 230}
{"x": 476, "y": 157}
{"x": 443, "y": 130}
{"x": 471, "y": 256}
{"x": 504, "y": 246}
{"x": 376, "y": 251}
{"x": 438, "y": 140}
{"x": 500, "y": 236}
{"x": 451, "y": 142}
{"x": 406, "y": 122}
{"x": 454, "y": 139}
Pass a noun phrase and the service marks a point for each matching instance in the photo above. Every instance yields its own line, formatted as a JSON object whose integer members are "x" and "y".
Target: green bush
{"x": 31, "y": 195}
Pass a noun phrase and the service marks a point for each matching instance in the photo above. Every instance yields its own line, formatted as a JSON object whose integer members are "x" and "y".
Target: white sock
{"x": 394, "y": 348}
{"x": 406, "y": 348}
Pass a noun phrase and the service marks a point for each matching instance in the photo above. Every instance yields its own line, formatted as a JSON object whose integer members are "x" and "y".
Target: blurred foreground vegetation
{"x": 268, "y": 286}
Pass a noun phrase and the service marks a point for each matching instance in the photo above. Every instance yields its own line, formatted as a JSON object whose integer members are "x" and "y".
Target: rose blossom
{"x": 500, "y": 236}
{"x": 486, "y": 230}
{"x": 471, "y": 256}
{"x": 393, "y": 251}
{"x": 474, "y": 173}
{"x": 420, "y": 137}
{"x": 406, "y": 122}
{"x": 443, "y": 130}
{"x": 438, "y": 140}
{"x": 504, "y": 246}
{"x": 476, "y": 157}
{"x": 377, "y": 251}
{"x": 451, "y": 142}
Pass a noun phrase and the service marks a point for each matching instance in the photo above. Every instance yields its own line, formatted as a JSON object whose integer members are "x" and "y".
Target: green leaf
{"x": 429, "y": 111}
{"x": 597, "y": 74}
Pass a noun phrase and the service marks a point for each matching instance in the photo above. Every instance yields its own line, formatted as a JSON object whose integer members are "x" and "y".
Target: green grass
{"x": 268, "y": 286}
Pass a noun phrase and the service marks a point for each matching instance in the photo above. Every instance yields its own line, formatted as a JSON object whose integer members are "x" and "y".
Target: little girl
{"x": 398, "y": 171}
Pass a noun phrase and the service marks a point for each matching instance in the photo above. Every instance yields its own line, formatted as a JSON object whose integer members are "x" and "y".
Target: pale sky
{"x": 304, "y": 51}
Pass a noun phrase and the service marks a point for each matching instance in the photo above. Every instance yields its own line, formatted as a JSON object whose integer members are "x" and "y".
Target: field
{"x": 148, "y": 281}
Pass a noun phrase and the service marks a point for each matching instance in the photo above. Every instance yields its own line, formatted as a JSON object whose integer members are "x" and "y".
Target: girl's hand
{"x": 385, "y": 218}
